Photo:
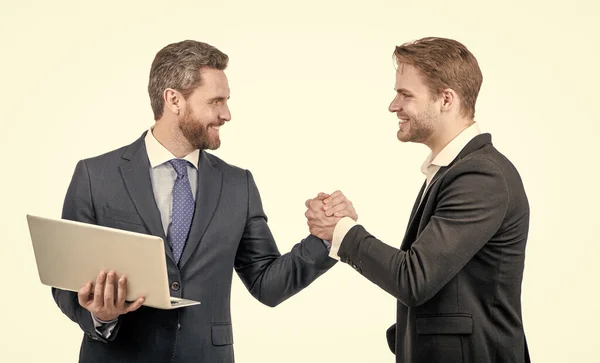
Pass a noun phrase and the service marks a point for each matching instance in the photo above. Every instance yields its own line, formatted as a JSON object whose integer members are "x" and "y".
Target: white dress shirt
{"x": 429, "y": 168}
{"x": 163, "y": 176}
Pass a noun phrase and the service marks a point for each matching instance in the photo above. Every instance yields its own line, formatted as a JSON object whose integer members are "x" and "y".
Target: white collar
{"x": 158, "y": 154}
{"x": 450, "y": 151}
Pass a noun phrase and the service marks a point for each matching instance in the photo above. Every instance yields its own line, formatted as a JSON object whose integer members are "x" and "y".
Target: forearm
{"x": 417, "y": 274}
{"x": 390, "y": 268}
{"x": 269, "y": 276}
{"x": 69, "y": 305}
{"x": 289, "y": 273}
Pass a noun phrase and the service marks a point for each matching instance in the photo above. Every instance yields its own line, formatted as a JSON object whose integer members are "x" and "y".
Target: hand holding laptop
{"x": 99, "y": 298}
{"x": 69, "y": 255}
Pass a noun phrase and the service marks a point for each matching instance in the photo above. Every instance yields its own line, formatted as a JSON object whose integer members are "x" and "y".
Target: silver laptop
{"x": 69, "y": 254}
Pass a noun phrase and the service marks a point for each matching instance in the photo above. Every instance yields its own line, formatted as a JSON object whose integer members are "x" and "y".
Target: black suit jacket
{"x": 457, "y": 275}
{"x": 229, "y": 231}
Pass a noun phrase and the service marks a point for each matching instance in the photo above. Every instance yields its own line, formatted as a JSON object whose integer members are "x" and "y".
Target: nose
{"x": 225, "y": 114}
{"x": 395, "y": 105}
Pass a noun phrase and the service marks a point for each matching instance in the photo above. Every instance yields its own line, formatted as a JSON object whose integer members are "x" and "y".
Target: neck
{"x": 439, "y": 140}
{"x": 169, "y": 136}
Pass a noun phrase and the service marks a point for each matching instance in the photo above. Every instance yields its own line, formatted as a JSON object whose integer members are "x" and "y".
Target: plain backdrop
{"x": 310, "y": 85}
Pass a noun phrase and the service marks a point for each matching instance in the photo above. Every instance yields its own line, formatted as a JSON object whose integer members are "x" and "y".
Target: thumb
{"x": 84, "y": 295}
{"x": 322, "y": 196}
{"x": 135, "y": 305}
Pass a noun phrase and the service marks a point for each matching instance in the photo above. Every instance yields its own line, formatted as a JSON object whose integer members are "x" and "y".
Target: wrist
{"x": 104, "y": 319}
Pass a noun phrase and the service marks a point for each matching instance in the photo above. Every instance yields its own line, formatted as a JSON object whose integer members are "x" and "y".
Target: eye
{"x": 404, "y": 95}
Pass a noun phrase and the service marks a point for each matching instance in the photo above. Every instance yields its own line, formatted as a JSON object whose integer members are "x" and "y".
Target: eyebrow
{"x": 218, "y": 99}
{"x": 403, "y": 90}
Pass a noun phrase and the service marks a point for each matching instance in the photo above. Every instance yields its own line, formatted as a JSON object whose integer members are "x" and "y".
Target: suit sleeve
{"x": 269, "y": 276}
{"x": 471, "y": 206}
{"x": 78, "y": 206}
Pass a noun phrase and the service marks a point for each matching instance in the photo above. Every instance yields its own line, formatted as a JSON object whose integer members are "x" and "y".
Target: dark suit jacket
{"x": 457, "y": 276}
{"x": 229, "y": 230}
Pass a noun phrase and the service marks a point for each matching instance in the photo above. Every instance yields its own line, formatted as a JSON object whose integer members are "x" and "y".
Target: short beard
{"x": 197, "y": 134}
{"x": 422, "y": 127}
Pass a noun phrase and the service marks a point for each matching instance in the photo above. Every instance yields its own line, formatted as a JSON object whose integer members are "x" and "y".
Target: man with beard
{"x": 208, "y": 212}
{"x": 458, "y": 272}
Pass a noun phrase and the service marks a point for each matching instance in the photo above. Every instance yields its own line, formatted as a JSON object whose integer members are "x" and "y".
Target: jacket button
{"x": 175, "y": 286}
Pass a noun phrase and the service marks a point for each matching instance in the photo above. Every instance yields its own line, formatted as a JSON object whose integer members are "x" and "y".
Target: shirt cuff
{"x": 104, "y": 328}
{"x": 341, "y": 228}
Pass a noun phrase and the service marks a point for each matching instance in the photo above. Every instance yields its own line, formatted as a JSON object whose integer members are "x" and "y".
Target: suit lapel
{"x": 136, "y": 175}
{"x": 418, "y": 211}
{"x": 411, "y": 231}
{"x": 422, "y": 198}
{"x": 207, "y": 198}
{"x": 441, "y": 171}
{"x": 416, "y": 205}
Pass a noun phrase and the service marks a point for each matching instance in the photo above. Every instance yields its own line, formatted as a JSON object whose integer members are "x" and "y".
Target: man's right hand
{"x": 100, "y": 300}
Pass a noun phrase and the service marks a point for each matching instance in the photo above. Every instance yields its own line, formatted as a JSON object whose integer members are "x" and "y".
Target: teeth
{"x": 403, "y": 121}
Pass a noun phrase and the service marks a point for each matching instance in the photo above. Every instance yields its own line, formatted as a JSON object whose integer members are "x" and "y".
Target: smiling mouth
{"x": 403, "y": 121}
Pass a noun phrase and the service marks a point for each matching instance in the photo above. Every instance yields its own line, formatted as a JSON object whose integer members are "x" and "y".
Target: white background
{"x": 311, "y": 82}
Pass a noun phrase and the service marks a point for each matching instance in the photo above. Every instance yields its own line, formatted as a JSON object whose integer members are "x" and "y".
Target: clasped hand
{"x": 325, "y": 210}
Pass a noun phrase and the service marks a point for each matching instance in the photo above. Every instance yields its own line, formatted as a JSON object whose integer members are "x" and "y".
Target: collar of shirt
{"x": 158, "y": 154}
{"x": 449, "y": 152}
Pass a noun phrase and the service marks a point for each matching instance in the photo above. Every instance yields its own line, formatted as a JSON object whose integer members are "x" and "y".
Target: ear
{"x": 173, "y": 100}
{"x": 449, "y": 100}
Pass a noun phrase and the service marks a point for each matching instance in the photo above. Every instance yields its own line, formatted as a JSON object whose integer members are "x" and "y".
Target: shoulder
{"x": 227, "y": 169}
{"x": 106, "y": 161}
{"x": 487, "y": 160}
{"x": 477, "y": 171}
{"x": 112, "y": 159}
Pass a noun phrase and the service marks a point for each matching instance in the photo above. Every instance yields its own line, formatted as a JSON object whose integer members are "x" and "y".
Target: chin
{"x": 214, "y": 144}
{"x": 403, "y": 137}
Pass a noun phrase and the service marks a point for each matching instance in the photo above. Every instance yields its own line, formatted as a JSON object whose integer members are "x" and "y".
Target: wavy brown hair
{"x": 444, "y": 63}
